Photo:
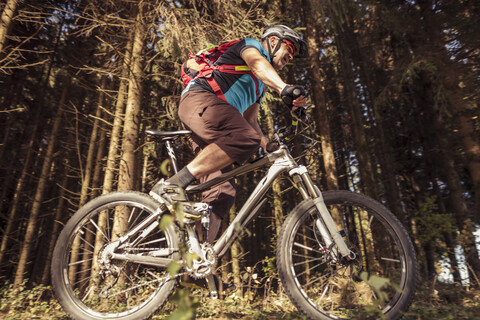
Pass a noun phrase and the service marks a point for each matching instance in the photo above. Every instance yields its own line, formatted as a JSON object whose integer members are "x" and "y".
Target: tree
{"x": 39, "y": 193}
{"x": 6, "y": 21}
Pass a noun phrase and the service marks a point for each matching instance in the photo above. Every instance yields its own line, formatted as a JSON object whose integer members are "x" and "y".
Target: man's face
{"x": 284, "y": 54}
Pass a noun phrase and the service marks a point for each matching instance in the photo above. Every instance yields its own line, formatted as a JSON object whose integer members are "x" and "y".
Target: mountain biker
{"x": 226, "y": 130}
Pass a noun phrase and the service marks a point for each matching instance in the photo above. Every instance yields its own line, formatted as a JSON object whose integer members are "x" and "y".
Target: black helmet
{"x": 286, "y": 33}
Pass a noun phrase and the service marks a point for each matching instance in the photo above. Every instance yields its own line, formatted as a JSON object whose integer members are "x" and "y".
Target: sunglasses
{"x": 290, "y": 47}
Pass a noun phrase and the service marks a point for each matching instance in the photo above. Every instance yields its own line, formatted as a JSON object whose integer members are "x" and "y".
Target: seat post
{"x": 171, "y": 153}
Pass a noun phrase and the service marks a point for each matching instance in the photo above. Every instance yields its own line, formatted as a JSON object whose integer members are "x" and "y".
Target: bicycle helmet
{"x": 285, "y": 33}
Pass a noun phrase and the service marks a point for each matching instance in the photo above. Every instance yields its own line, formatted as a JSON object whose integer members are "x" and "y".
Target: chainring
{"x": 205, "y": 266}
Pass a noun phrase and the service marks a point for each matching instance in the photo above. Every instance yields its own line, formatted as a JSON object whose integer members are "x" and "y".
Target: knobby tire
{"x": 382, "y": 279}
{"x": 120, "y": 290}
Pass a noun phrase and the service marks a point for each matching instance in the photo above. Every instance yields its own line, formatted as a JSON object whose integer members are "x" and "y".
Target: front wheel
{"x": 91, "y": 277}
{"x": 380, "y": 280}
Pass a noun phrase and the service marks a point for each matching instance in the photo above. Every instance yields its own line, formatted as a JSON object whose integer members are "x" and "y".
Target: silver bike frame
{"x": 281, "y": 161}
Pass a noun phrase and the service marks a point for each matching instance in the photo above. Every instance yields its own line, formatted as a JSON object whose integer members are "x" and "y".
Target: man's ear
{"x": 273, "y": 42}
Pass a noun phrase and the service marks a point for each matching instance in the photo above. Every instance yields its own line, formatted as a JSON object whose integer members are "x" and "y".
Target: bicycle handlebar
{"x": 286, "y": 134}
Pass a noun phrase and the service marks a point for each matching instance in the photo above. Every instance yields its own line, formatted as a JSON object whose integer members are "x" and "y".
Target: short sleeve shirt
{"x": 239, "y": 90}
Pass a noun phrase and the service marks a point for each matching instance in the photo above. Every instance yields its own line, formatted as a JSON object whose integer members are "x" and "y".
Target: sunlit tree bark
{"x": 6, "y": 21}
{"x": 30, "y": 232}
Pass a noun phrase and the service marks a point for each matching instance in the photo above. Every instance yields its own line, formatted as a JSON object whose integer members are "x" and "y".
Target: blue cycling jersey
{"x": 239, "y": 89}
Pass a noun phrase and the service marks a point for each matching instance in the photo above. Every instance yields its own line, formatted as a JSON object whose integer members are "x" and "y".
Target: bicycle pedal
{"x": 194, "y": 210}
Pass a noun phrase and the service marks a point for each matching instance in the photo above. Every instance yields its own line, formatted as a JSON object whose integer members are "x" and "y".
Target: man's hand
{"x": 294, "y": 96}
{"x": 271, "y": 146}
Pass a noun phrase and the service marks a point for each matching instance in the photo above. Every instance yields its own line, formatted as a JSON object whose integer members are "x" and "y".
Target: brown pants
{"x": 213, "y": 120}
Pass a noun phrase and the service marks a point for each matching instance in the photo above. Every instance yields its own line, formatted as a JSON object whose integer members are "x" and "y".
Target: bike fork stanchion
{"x": 328, "y": 222}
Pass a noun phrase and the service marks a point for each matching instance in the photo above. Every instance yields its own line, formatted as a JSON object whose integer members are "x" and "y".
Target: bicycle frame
{"x": 281, "y": 161}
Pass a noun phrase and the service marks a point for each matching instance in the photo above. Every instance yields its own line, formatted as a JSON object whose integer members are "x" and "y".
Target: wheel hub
{"x": 105, "y": 259}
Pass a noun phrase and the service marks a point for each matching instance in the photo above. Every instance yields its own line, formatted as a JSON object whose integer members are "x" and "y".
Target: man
{"x": 225, "y": 129}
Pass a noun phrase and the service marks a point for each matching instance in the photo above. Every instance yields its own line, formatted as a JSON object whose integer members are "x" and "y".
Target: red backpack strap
{"x": 215, "y": 87}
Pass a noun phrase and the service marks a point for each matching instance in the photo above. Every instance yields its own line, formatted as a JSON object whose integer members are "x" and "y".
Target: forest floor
{"x": 442, "y": 303}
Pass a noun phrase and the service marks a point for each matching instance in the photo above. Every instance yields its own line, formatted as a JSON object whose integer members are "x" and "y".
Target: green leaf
{"x": 165, "y": 221}
{"x": 173, "y": 268}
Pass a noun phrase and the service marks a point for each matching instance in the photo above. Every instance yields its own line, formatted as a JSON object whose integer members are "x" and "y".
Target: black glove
{"x": 290, "y": 93}
{"x": 271, "y": 146}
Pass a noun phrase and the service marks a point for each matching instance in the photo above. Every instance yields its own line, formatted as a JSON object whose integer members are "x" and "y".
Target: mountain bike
{"x": 339, "y": 253}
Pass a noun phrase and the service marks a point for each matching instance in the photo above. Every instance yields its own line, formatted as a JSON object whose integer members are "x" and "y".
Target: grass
{"x": 445, "y": 302}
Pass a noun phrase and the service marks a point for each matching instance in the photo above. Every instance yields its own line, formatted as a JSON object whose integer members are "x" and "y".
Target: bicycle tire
{"x": 323, "y": 288}
{"x": 89, "y": 286}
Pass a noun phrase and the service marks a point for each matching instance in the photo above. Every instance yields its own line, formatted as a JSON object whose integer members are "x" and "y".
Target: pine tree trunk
{"x": 115, "y": 135}
{"x": 92, "y": 148}
{"x": 471, "y": 148}
{"x": 14, "y": 205}
{"x": 108, "y": 180}
{"x": 128, "y": 168}
{"x": 451, "y": 74}
{"x": 30, "y": 232}
{"x": 55, "y": 229}
{"x": 276, "y": 187}
{"x": 97, "y": 173}
{"x": 321, "y": 114}
{"x": 87, "y": 175}
{"x": 363, "y": 58}
{"x": 6, "y": 21}
{"x": 362, "y": 151}
{"x": 462, "y": 215}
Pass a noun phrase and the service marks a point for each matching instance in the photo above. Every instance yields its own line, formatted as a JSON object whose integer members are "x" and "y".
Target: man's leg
{"x": 220, "y": 131}
{"x": 209, "y": 160}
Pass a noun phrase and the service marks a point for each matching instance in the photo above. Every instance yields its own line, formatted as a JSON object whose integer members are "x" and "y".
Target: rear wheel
{"x": 91, "y": 283}
{"x": 382, "y": 278}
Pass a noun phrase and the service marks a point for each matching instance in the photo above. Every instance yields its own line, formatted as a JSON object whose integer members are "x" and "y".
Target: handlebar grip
{"x": 290, "y": 93}
{"x": 296, "y": 93}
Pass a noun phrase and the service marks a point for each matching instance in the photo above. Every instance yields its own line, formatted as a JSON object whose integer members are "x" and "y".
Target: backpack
{"x": 202, "y": 65}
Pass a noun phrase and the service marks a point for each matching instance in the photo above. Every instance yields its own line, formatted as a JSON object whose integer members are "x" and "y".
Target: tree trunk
{"x": 56, "y": 228}
{"x": 108, "y": 180}
{"x": 321, "y": 114}
{"x": 6, "y": 21}
{"x": 92, "y": 146}
{"x": 128, "y": 168}
{"x": 366, "y": 167}
{"x": 87, "y": 175}
{"x": 30, "y": 232}
{"x": 117, "y": 121}
{"x": 449, "y": 71}
{"x": 462, "y": 215}
{"x": 14, "y": 205}
{"x": 99, "y": 165}
{"x": 363, "y": 58}
{"x": 128, "y": 164}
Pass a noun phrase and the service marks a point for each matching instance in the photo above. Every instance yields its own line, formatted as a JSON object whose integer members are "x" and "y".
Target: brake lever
{"x": 301, "y": 113}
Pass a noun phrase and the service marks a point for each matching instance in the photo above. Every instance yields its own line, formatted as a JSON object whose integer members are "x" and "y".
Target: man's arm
{"x": 251, "y": 116}
{"x": 262, "y": 69}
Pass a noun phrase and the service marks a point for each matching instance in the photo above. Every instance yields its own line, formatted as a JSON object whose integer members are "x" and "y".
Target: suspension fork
{"x": 324, "y": 223}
